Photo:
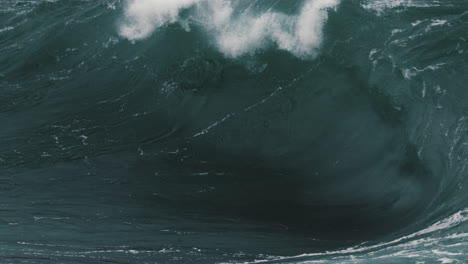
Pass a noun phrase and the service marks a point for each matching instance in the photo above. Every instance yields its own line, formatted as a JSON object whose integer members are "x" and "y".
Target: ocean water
{"x": 234, "y": 131}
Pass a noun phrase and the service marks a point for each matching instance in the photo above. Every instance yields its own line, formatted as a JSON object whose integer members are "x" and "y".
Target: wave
{"x": 212, "y": 131}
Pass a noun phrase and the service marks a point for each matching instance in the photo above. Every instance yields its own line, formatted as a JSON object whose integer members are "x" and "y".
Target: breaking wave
{"x": 236, "y": 28}
{"x": 247, "y": 131}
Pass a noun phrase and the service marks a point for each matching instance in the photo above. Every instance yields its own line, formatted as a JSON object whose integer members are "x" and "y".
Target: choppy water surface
{"x": 216, "y": 131}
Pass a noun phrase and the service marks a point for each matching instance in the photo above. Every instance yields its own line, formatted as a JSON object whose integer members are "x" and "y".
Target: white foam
{"x": 381, "y": 5}
{"x": 234, "y": 33}
{"x": 142, "y": 17}
{"x": 6, "y": 29}
{"x": 438, "y": 22}
{"x": 446, "y": 260}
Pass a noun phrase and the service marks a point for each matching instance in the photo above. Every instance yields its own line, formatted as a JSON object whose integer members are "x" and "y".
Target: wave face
{"x": 216, "y": 131}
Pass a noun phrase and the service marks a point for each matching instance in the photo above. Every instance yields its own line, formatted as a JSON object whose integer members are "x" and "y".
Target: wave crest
{"x": 234, "y": 30}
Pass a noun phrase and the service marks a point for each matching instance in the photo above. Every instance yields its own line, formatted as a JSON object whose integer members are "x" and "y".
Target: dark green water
{"x": 216, "y": 131}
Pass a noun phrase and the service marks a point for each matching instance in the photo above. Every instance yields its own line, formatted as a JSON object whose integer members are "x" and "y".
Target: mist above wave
{"x": 234, "y": 29}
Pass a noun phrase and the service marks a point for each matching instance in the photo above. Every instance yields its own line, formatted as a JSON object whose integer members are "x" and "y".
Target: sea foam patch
{"x": 235, "y": 31}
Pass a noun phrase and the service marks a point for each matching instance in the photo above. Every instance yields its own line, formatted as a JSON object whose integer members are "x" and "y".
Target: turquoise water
{"x": 216, "y": 131}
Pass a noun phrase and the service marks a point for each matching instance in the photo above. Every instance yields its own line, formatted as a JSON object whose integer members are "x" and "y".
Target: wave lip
{"x": 236, "y": 31}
